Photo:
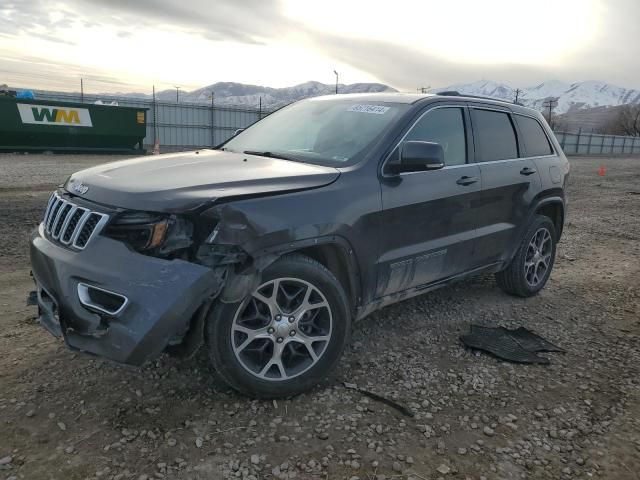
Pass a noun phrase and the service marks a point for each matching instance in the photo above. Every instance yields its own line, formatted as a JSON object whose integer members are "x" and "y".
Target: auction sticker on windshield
{"x": 377, "y": 109}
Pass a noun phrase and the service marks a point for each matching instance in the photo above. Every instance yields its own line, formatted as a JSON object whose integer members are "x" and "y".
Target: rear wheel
{"x": 284, "y": 337}
{"x": 531, "y": 266}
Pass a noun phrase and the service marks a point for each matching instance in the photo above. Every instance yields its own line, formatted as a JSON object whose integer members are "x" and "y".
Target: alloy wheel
{"x": 282, "y": 329}
{"x": 538, "y": 258}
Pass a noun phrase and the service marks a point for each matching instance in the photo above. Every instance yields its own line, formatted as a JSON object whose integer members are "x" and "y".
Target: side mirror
{"x": 416, "y": 156}
{"x": 238, "y": 131}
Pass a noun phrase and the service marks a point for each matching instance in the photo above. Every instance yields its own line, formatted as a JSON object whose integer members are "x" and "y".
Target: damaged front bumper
{"x": 115, "y": 303}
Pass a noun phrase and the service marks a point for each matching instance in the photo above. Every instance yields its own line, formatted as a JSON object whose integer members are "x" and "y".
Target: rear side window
{"x": 494, "y": 135}
{"x": 446, "y": 127}
{"x": 535, "y": 141}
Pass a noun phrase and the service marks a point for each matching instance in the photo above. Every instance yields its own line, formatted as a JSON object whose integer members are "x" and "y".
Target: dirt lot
{"x": 67, "y": 416}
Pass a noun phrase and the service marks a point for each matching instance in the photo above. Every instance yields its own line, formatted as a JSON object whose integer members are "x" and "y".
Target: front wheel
{"x": 531, "y": 266}
{"x": 284, "y": 337}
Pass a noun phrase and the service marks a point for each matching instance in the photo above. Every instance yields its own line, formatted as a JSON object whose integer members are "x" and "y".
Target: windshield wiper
{"x": 271, "y": 155}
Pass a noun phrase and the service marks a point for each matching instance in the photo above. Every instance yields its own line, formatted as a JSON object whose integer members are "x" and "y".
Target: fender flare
{"x": 539, "y": 202}
{"x": 550, "y": 200}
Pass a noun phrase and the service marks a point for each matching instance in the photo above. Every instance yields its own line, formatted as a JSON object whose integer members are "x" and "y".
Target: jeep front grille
{"x": 71, "y": 224}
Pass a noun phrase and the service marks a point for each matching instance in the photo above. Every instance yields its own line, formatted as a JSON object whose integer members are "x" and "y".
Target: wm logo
{"x": 55, "y": 115}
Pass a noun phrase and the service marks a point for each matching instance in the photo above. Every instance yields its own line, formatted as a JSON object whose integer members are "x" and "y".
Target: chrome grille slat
{"x": 67, "y": 219}
{"x": 80, "y": 226}
{"x": 70, "y": 230}
{"x": 62, "y": 223}
{"x": 47, "y": 212}
{"x": 54, "y": 213}
{"x": 62, "y": 217}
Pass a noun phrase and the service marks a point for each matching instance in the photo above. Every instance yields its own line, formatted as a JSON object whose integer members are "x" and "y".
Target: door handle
{"x": 527, "y": 171}
{"x": 466, "y": 180}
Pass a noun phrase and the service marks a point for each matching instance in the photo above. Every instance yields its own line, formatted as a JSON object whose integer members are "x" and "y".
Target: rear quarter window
{"x": 536, "y": 142}
{"x": 494, "y": 135}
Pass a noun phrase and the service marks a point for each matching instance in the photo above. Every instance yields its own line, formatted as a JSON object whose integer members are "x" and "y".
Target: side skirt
{"x": 387, "y": 300}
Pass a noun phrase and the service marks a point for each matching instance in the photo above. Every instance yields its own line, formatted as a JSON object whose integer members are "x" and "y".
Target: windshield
{"x": 323, "y": 131}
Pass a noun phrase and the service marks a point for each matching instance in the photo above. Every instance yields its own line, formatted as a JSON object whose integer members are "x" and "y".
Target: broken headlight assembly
{"x": 151, "y": 233}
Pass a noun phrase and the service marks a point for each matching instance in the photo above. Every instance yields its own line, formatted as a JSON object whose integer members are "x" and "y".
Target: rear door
{"x": 428, "y": 220}
{"x": 510, "y": 182}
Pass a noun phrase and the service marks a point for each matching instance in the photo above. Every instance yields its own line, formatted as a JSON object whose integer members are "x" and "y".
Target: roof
{"x": 398, "y": 97}
{"x": 410, "y": 98}
{"x": 391, "y": 97}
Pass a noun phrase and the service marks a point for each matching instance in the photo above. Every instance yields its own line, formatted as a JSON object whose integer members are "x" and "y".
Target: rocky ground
{"x": 67, "y": 416}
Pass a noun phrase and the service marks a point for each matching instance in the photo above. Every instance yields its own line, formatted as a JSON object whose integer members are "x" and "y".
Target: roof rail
{"x": 455, "y": 93}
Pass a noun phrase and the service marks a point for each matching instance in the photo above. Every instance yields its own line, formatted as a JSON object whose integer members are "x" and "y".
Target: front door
{"x": 428, "y": 219}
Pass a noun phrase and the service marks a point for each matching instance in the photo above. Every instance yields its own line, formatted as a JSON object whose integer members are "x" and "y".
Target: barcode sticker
{"x": 376, "y": 109}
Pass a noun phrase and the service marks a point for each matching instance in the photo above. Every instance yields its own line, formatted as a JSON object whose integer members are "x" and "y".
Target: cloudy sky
{"x": 129, "y": 45}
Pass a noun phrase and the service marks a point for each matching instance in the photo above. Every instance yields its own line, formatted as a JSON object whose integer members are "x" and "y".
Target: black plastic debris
{"x": 401, "y": 408}
{"x": 519, "y": 345}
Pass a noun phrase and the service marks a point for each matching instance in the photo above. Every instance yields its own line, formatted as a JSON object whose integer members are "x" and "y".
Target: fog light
{"x": 101, "y": 300}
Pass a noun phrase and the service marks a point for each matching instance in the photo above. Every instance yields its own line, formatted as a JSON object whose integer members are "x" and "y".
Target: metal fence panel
{"x": 596, "y": 144}
{"x": 185, "y": 126}
{"x": 180, "y": 126}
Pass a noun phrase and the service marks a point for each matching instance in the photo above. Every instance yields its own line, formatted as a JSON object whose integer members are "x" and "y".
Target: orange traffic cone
{"x": 602, "y": 171}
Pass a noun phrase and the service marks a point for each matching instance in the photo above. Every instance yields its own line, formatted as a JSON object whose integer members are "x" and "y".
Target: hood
{"x": 184, "y": 181}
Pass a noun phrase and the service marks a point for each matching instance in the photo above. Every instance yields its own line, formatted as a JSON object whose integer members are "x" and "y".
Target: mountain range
{"x": 231, "y": 93}
{"x": 570, "y": 97}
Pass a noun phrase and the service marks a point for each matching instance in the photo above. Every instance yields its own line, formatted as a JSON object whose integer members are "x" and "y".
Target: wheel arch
{"x": 336, "y": 254}
{"x": 554, "y": 208}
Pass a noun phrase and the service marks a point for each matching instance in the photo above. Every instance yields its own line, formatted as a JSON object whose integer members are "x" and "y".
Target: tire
{"x": 244, "y": 338}
{"x": 527, "y": 273}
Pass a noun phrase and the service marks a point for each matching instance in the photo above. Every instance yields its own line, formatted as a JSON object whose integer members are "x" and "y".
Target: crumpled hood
{"x": 184, "y": 181}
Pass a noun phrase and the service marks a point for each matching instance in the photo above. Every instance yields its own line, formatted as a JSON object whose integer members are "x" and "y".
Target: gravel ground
{"x": 67, "y": 416}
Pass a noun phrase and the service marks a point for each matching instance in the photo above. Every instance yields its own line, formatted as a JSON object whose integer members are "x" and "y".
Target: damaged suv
{"x": 267, "y": 248}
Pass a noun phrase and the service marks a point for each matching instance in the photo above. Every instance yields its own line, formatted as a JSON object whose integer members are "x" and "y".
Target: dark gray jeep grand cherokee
{"x": 269, "y": 247}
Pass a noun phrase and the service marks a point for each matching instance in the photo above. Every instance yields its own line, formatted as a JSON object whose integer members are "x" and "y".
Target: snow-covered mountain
{"x": 231, "y": 93}
{"x": 570, "y": 97}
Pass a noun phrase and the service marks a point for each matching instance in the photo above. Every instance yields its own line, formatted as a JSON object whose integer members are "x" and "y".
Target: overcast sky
{"x": 129, "y": 45}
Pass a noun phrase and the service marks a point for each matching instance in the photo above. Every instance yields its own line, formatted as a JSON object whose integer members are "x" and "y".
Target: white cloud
{"x": 123, "y": 44}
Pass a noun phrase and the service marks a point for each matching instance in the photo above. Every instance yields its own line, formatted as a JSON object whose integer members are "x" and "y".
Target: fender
{"x": 539, "y": 202}
{"x": 347, "y": 252}
{"x": 554, "y": 199}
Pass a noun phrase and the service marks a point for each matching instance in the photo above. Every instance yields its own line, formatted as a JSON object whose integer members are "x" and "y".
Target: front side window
{"x": 322, "y": 131}
{"x": 495, "y": 138}
{"x": 446, "y": 127}
{"x": 535, "y": 141}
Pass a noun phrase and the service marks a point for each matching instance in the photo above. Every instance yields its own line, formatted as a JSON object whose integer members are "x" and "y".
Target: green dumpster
{"x": 31, "y": 125}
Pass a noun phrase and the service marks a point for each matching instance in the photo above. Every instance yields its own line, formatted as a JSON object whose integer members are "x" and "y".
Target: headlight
{"x": 145, "y": 231}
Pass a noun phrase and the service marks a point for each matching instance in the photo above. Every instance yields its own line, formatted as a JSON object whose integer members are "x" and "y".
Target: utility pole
{"x": 81, "y": 91}
{"x": 260, "y": 109}
{"x": 177, "y": 90}
{"x": 156, "y": 144}
{"x": 213, "y": 131}
{"x": 518, "y": 91}
{"x": 423, "y": 89}
{"x": 550, "y": 104}
{"x": 336, "y": 81}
